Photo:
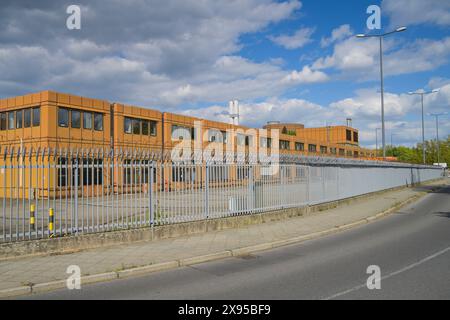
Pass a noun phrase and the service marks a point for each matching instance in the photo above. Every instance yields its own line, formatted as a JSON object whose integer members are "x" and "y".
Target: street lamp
{"x": 437, "y": 115}
{"x": 381, "y": 36}
{"x": 422, "y": 93}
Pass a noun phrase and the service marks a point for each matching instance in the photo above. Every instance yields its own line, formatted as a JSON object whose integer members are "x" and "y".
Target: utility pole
{"x": 422, "y": 93}
{"x": 437, "y": 115}
{"x": 380, "y": 37}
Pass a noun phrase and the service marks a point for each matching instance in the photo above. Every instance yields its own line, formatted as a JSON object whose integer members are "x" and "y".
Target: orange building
{"x": 44, "y": 122}
{"x": 57, "y": 121}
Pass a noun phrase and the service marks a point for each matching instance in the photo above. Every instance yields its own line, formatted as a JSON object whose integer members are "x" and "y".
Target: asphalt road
{"x": 411, "y": 247}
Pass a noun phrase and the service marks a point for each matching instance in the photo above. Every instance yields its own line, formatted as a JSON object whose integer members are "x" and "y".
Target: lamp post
{"x": 422, "y": 93}
{"x": 380, "y": 37}
{"x": 437, "y": 115}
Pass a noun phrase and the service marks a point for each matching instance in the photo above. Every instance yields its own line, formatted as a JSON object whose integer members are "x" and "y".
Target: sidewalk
{"x": 22, "y": 272}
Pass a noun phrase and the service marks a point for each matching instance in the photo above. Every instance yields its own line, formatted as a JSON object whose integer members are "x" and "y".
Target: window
{"x": 36, "y": 117}
{"x": 333, "y": 150}
{"x": 75, "y": 119}
{"x": 153, "y": 128}
{"x": 3, "y": 121}
{"x": 265, "y": 142}
{"x": 180, "y": 133}
{"x": 27, "y": 118}
{"x": 127, "y": 125}
{"x": 323, "y": 149}
{"x": 63, "y": 117}
{"x": 240, "y": 139}
{"x": 136, "y": 126}
{"x": 87, "y": 120}
{"x": 249, "y": 141}
{"x": 341, "y": 152}
{"x": 217, "y": 136}
{"x": 299, "y": 146}
{"x": 284, "y": 145}
{"x": 312, "y": 148}
{"x": 62, "y": 172}
{"x": 19, "y": 119}
{"x": 145, "y": 127}
{"x": 212, "y": 135}
{"x": 98, "y": 121}
{"x": 11, "y": 124}
{"x": 349, "y": 135}
{"x": 224, "y": 136}
{"x": 355, "y": 136}
{"x": 349, "y": 153}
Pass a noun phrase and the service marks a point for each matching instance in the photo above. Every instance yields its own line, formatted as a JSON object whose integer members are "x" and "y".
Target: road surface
{"x": 411, "y": 247}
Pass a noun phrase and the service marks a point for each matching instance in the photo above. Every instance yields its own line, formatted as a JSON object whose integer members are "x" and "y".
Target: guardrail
{"x": 54, "y": 193}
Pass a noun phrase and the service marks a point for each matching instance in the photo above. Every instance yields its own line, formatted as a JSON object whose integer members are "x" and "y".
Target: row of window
{"x": 349, "y": 135}
{"x": 139, "y": 126}
{"x": 24, "y": 118}
{"x": 77, "y": 118}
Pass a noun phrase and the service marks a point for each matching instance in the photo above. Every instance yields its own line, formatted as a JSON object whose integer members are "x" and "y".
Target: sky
{"x": 291, "y": 61}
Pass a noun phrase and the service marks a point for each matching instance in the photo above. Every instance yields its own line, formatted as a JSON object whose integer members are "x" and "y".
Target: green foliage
{"x": 414, "y": 154}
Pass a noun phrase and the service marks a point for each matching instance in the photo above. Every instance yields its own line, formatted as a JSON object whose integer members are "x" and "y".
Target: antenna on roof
{"x": 234, "y": 112}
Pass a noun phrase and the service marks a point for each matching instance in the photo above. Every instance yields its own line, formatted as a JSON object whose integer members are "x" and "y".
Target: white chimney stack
{"x": 234, "y": 111}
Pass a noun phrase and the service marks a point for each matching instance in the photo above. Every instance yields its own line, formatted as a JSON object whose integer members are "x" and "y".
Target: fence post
{"x": 308, "y": 184}
{"x": 251, "y": 189}
{"x": 337, "y": 183}
{"x": 76, "y": 193}
{"x": 150, "y": 195}
{"x": 207, "y": 191}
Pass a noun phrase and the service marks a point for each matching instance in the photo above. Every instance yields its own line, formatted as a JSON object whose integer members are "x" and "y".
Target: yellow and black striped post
{"x": 51, "y": 221}
{"x": 32, "y": 217}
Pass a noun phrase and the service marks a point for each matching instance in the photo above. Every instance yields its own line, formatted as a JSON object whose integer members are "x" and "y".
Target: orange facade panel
{"x": 149, "y": 128}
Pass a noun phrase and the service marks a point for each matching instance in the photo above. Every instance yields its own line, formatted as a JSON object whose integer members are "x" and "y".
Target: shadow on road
{"x": 444, "y": 188}
{"x": 442, "y": 214}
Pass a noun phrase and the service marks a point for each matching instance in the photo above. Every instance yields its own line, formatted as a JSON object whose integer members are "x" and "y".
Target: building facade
{"x": 51, "y": 120}
{"x": 53, "y": 142}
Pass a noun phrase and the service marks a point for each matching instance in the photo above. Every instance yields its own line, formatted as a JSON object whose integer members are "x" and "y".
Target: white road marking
{"x": 413, "y": 265}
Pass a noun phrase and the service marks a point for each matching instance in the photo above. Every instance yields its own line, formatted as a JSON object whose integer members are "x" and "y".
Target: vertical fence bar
{"x": 206, "y": 213}
{"x": 5, "y": 170}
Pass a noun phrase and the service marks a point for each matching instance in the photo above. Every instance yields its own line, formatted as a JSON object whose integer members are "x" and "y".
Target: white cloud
{"x": 337, "y": 34}
{"x": 414, "y": 12}
{"x": 179, "y": 52}
{"x": 306, "y": 75}
{"x": 299, "y": 39}
{"x": 402, "y": 113}
{"x": 360, "y": 57}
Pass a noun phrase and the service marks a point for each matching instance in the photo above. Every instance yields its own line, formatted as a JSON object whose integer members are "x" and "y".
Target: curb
{"x": 164, "y": 266}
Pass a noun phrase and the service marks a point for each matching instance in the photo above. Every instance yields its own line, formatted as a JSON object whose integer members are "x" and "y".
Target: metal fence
{"x": 54, "y": 193}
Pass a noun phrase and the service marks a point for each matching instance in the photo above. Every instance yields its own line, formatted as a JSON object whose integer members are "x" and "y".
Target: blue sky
{"x": 296, "y": 61}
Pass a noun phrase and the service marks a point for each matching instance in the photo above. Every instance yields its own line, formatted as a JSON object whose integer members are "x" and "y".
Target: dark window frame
{"x": 130, "y": 126}
{"x": 60, "y": 123}
{"x": 36, "y": 121}
{"x": 3, "y": 121}
{"x": 19, "y": 120}
{"x": 133, "y": 126}
{"x": 145, "y": 127}
{"x": 300, "y": 146}
{"x": 312, "y": 148}
{"x": 96, "y": 128}
{"x": 153, "y": 129}
{"x": 84, "y": 120}
{"x": 11, "y": 121}
{"x": 76, "y": 126}
{"x": 27, "y": 121}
